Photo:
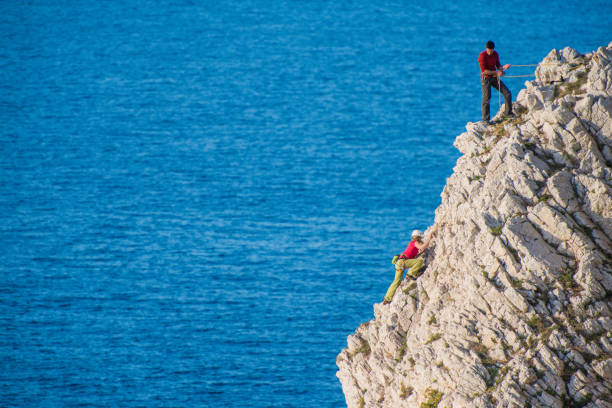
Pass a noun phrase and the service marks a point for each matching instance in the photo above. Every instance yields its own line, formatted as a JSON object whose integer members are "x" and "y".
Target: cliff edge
{"x": 514, "y": 308}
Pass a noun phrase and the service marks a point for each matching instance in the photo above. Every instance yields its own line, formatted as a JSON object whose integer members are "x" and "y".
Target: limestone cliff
{"x": 514, "y": 308}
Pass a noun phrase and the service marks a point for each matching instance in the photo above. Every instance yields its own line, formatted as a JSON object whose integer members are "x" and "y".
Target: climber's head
{"x": 490, "y": 47}
{"x": 417, "y": 235}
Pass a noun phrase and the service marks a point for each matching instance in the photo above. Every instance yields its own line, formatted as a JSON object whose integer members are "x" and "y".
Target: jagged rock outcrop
{"x": 514, "y": 308}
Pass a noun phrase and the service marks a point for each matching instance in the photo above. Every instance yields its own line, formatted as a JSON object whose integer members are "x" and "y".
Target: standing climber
{"x": 490, "y": 72}
{"x": 408, "y": 259}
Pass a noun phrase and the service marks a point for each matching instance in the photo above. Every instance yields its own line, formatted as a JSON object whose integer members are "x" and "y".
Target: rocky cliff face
{"x": 514, "y": 308}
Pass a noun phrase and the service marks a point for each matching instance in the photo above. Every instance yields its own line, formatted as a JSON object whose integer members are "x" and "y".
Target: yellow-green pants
{"x": 415, "y": 265}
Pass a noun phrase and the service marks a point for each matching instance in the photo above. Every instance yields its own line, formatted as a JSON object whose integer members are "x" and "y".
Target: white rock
{"x": 523, "y": 243}
{"x": 604, "y": 368}
{"x": 550, "y": 400}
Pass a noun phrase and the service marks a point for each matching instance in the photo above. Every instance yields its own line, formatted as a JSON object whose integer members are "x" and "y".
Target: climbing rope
{"x": 508, "y": 76}
{"x": 517, "y": 76}
{"x": 514, "y": 76}
{"x": 499, "y": 90}
{"x": 542, "y": 64}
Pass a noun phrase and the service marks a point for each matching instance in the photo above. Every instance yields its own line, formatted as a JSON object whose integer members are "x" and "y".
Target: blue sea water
{"x": 199, "y": 200}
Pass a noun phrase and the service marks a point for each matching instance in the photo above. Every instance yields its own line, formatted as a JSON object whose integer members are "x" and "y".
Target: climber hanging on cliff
{"x": 409, "y": 259}
{"x": 490, "y": 72}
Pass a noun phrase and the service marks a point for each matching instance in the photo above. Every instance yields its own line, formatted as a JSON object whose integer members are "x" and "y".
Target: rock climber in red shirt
{"x": 409, "y": 259}
{"x": 490, "y": 71}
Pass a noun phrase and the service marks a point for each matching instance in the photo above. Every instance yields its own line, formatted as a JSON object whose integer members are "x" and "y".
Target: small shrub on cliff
{"x": 483, "y": 354}
{"x": 536, "y": 323}
{"x": 520, "y": 110}
{"x": 405, "y": 391}
{"x": 493, "y": 370}
{"x": 433, "y": 337}
{"x": 571, "y": 88}
{"x": 411, "y": 286}
{"x": 594, "y": 336}
{"x": 532, "y": 342}
{"x": 496, "y": 231}
{"x": 402, "y": 350}
{"x": 501, "y": 374}
{"x": 433, "y": 398}
{"x": 543, "y": 197}
{"x": 502, "y": 131}
{"x": 517, "y": 283}
{"x": 567, "y": 280}
{"x": 364, "y": 348}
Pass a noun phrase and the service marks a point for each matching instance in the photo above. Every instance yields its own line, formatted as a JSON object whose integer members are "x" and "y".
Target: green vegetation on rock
{"x": 432, "y": 398}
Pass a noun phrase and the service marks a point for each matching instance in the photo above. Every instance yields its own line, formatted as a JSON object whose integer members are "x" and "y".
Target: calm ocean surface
{"x": 199, "y": 200}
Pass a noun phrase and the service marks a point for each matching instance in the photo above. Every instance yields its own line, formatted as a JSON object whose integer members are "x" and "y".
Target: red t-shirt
{"x": 490, "y": 62}
{"x": 411, "y": 251}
